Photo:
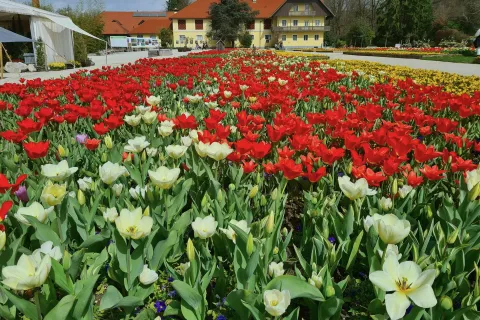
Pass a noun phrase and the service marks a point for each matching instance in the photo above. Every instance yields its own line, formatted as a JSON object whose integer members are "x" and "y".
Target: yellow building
{"x": 294, "y": 23}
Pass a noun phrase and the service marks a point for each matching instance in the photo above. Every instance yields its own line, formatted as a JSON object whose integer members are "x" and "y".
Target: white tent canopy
{"x": 54, "y": 29}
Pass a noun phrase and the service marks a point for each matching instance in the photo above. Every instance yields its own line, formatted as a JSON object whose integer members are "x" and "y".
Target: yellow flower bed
{"x": 57, "y": 66}
{"x": 391, "y": 53}
{"x": 452, "y": 82}
{"x": 301, "y": 54}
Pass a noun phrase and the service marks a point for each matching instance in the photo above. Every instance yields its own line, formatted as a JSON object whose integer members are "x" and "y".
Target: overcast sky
{"x": 111, "y": 5}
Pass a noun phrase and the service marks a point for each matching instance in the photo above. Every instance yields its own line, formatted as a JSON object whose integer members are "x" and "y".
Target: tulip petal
{"x": 426, "y": 278}
{"x": 391, "y": 266}
{"x": 409, "y": 270}
{"x": 397, "y": 304}
{"x": 383, "y": 280}
{"x": 423, "y": 296}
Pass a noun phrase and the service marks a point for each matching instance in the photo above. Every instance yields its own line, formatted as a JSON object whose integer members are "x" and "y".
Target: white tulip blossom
{"x": 85, "y": 183}
{"x": 117, "y": 188}
{"x": 392, "y": 249}
{"x": 35, "y": 210}
{"x": 133, "y": 120}
{"x": 110, "y": 214}
{"x": 176, "y": 151}
{"x": 148, "y": 276}
{"x": 143, "y": 109}
{"x": 151, "y": 152}
{"x": 204, "y": 228}
{"x": 153, "y": 100}
{"x": 385, "y": 203}
{"x": 138, "y": 192}
{"x": 404, "y": 191}
{"x": 136, "y": 145}
{"x": 48, "y": 248}
{"x": 30, "y": 272}
{"x": 275, "y": 269}
{"x": 472, "y": 178}
{"x": 218, "y": 151}
{"x": 133, "y": 224}
{"x": 355, "y": 190}
{"x": 58, "y": 172}
{"x": 390, "y": 228}
{"x": 230, "y": 233}
{"x": 164, "y": 177}
{"x": 202, "y": 149}
{"x": 404, "y": 281}
{"x": 276, "y": 302}
{"x": 149, "y": 117}
{"x": 186, "y": 141}
{"x": 182, "y": 268}
{"x": 110, "y": 172}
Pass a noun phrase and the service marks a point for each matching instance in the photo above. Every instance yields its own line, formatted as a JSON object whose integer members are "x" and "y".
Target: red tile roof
{"x": 124, "y": 22}
{"x": 199, "y": 9}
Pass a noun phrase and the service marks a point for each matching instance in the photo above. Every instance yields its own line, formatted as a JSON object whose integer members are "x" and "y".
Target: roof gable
{"x": 127, "y": 22}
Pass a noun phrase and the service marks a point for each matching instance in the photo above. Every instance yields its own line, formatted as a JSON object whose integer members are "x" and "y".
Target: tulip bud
{"x": 452, "y": 237}
{"x": 349, "y": 168}
{"x": 253, "y": 192}
{"x": 314, "y": 267}
{"x": 330, "y": 291}
{"x": 231, "y": 187}
{"x": 81, "y": 197}
{"x": 429, "y": 212}
{"x": 474, "y": 193}
{"x": 144, "y": 156}
{"x": 108, "y": 142}
{"x": 67, "y": 260}
{"x": 146, "y": 212}
{"x": 250, "y": 247}
{"x": 150, "y": 196}
{"x": 61, "y": 151}
{"x": 190, "y": 251}
{"x": 263, "y": 200}
{"x": 446, "y": 302}
{"x": 219, "y": 195}
{"x": 274, "y": 194}
{"x": 395, "y": 186}
{"x": 204, "y": 201}
{"x": 104, "y": 157}
{"x": 15, "y": 158}
{"x": 270, "y": 222}
{"x": 275, "y": 250}
{"x": 284, "y": 231}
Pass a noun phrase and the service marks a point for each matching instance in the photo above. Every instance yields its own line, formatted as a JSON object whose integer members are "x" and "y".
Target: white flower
{"x": 472, "y": 178}
{"x": 227, "y": 94}
{"x": 49, "y": 249}
{"x": 138, "y": 192}
{"x": 244, "y": 87}
{"x": 194, "y": 99}
{"x": 58, "y": 172}
{"x": 385, "y": 203}
{"x": 110, "y": 214}
{"x": 136, "y": 145}
{"x": 233, "y": 129}
{"x": 218, "y": 151}
{"x": 149, "y": 117}
{"x": 133, "y": 224}
{"x": 356, "y": 190}
{"x": 3, "y": 239}
{"x": 143, "y": 109}
{"x": 85, "y": 183}
{"x": 368, "y": 222}
{"x": 391, "y": 249}
{"x": 153, "y": 101}
{"x": 151, "y": 152}
{"x": 164, "y": 177}
{"x": 117, "y": 188}
{"x": 315, "y": 280}
{"x": 211, "y": 104}
{"x": 110, "y": 172}
{"x": 176, "y": 151}
{"x": 202, "y": 149}
{"x": 194, "y": 135}
{"x": 28, "y": 273}
{"x": 186, "y": 141}
{"x": 271, "y": 79}
{"x": 276, "y": 302}
{"x": 282, "y": 82}
{"x": 275, "y": 269}
{"x": 53, "y": 194}
{"x": 230, "y": 233}
{"x": 204, "y": 228}
{"x": 404, "y": 191}
{"x": 165, "y": 131}
{"x": 182, "y": 268}
{"x": 133, "y": 120}
{"x": 407, "y": 280}
{"x": 391, "y": 229}
{"x": 35, "y": 210}
{"x": 148, "y": 276}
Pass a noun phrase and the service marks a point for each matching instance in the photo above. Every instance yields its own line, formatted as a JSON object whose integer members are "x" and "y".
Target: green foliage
{"x": 80, "y": 49}
{"x": 40, "y": 54}
{"x": 166, "y": 37}
{"x": 229, "y": 17}
{"x": 245, "y": 39}
{"x": 361, "y": 34}
{"x": 176, "y": 5}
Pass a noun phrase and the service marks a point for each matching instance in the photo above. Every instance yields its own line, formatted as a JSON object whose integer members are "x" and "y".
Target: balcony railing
{"x": 301, "y": 28}
{"x": 302, "y": 13}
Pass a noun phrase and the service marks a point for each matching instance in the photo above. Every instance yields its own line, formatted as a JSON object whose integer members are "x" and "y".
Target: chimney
{"x": 36, "y": 3}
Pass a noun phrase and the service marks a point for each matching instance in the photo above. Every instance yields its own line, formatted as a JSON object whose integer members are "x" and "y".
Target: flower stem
{"x": 129, "y": 246}
{"x": 37, "y": 304}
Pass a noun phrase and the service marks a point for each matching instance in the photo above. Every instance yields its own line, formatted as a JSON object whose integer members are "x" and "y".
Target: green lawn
{"x": 451, "y": 58}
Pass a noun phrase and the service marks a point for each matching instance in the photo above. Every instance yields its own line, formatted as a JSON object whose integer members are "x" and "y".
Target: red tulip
{"x": 92, "y": 144}
{"x": 6, "y": 206}
{"x": 36, "y": 150}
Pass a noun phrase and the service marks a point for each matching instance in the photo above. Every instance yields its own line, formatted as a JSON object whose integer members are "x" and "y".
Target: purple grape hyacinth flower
{"x": 81, "y": 138}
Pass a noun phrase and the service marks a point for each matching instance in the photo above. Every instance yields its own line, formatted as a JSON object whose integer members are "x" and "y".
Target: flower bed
{"x": 389, "y": 54}
{"x": 241, "y": 187}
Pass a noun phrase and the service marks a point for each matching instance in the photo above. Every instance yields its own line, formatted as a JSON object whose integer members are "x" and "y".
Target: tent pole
{"x": 106, "y": 53}
{"x": 73, "y": 47}
{"x": 1, "y": 60}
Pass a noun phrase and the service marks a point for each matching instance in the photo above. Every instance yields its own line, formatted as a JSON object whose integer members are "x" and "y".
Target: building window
{"x": 317, "y": 37}
{"x": 140, "y": 36}
{"x": 267, "y": 24}
{"x": 317, "y": 23}
{"x": 294, "y": 37}
{"x": 307, "y": 23}
{"x": 295, "y": 8}
{"x": 153, "y": 36}
{"x": 268, "y": 37}
{"x": 308, "y": 7}
{"x": 251, "y": 26}
{"x": 182, "y": 39}
{"x": 305, "y": 37}
{"x": 198, "y": 24}
{"x": 199, "y": 38}
{"x": 295, "y": 23}
{"x": 182, "y": 24}
{"x": 284, "y": 23}
{"x": 284, "y": 37}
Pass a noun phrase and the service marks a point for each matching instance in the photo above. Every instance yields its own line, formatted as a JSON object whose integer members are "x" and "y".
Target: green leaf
{"x": 189, "y": 296}
{"x": 62, "y": 310}
{"x": 84, "y": 297}
{"x": 235, "y": 298}
{"x": 61, "y": 278}
{"x": 293, "y": 315}
{"x": 121, "y": 251}
{"x": 353, "y": 254}
{"x": 348, "y": 221}
{"x": 27, "y": 308}
{"x": 42, "y": 231}
{"x": 330, "y": 307}
{"x": 5, "y": 313}
{"x": 110, "y": 299}
{"x": 96, "y": 239}
{"x": 297, "y": 287}
{"x": 255, "y": 312}
{"x": 162, "y": 249}
{"x": 146, "y": 314}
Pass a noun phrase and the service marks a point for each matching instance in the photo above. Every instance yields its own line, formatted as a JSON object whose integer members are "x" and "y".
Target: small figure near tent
{"x": 476, "y": 42}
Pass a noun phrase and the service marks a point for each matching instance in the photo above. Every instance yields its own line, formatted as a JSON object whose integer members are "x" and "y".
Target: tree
{"x": 176, "y": 5}
{"x": 166, "y": 37}
{"x": 229, "y": 18}
{"x": 245, "y": 39}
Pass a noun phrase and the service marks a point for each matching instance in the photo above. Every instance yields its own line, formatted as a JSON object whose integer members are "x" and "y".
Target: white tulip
{"x": 138, "y": 192}
{"x": 276, "y": 302}
{"x": 182, "y": 268}
{"x": 149, "y": 117}
{"x": 58, "y": 172}
{"x": 202, "y": 149}
{"x": 244, "y": 87}
{"x": 110, "y": 214}
{"x": 391, "y": 229}
{"x": 407, "y": 280}
{"x": 271, "y": 79}
{"x": 133, "y": 224}
{"x": 176, "y": 151}
{"x": 391, "y": 249}
{"x": 204, "y": 228}
{"x": 35, "y": 210}
{"x": 148, "y": 276}
{"x": 117, "y": 188}
{"x": 275, "y": 269}
{"x": 110, "y": 172}
{"x": 404, "y": 191}
{"x": 194, "y": 135}
{"x": 472, "y": 178}
{"x": 218, "y": 151}
{"x": 368, "y": 222}
{"x": 385, "y": 203}
{"x": 211, "y": 104}
{"x": 151, "y": 152}
{"x": 227, "y": 94}
{"x": 85, "y": 183}
{"x": 153, "y": 101}
{"x": 49, "y": 249}
{"x": 143, "y": 109}
{"x": 164, "y": 177}
{"x": 186, "y": 141}
{"x": 230, "y": 233}
{"x": 356, "y": 190}
{"x": 28, "y": 273}
{"x": 316, "y": 280}
{"x": 136, "y": 145}
{"x": 282, "y": 82}
{"x": 194, "y": 99}
{"x": 165, "y": 131}
{"x": 133, "y": 120}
